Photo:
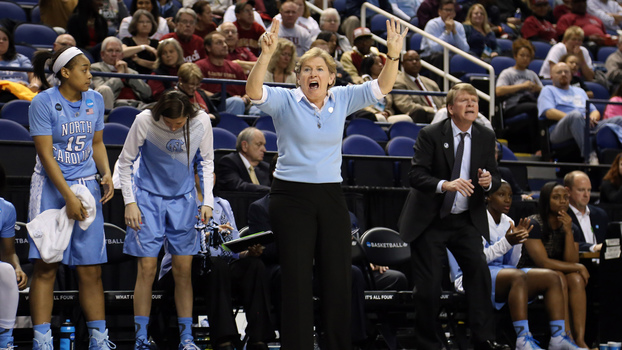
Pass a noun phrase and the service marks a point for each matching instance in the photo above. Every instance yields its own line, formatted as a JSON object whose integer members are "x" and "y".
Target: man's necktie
{"x": 448, "y": 202}
{"x": 253, "y": 175}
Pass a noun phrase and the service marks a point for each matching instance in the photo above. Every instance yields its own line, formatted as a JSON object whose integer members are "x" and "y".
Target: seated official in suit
{"x": 592, "y": 220}
{"x": 421, "y": 108}
{"x": 115, "y": 89}
{"x": 245, "y": 170}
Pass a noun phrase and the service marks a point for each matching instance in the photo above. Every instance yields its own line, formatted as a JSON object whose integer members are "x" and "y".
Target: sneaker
{"x": 563, "y": 342}
{"x": 100, "y": 341}
{"x": 144, "y": 344}
{"x": 43, "y": 341}
{"x": 188, "y": 344}
{"x": 527, "y": 342}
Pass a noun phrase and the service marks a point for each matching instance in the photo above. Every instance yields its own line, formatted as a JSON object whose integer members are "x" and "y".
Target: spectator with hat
{"x": 351, "y": 60}
{"x": 249, "y": 31}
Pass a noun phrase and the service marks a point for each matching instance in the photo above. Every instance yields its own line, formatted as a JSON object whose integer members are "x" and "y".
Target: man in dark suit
{"x": 421, "y": 108}
{"x": 592, "y": 220}
{"x": 245, "y": 170}
{"x": 453, "y": 166}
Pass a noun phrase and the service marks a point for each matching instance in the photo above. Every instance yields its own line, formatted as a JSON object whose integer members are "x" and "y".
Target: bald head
{"x": 64, "y": 40}
{"x": 560, "y": 74}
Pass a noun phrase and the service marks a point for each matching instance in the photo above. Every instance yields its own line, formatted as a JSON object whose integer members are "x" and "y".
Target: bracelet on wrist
{"x": 393, "y": 58}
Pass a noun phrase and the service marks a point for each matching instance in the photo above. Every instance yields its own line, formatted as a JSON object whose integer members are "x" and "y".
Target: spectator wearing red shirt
{"x": 205, "y": 23}
{"x": 248, "y": 31}
{"x": 216, "y": 66}
{"x": 536, "y": 27}
{"x": 561, "y": 10}
{"x": 191, "y": 44}
{"x": 238, "y": 54}
{"x": 592, "y": 26}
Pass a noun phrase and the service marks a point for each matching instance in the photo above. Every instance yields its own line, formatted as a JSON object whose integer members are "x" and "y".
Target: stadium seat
{"x": 17, "y": 111}
{"x": 542, "y": 49}
{"x": 401, "y": 146}
{"x": 27, "y": 3}
{"x": 232, "y": 123}
{"x": 265, "y": 123}
{"x": 600, "y": 93}
{"x": 378, "y": 24}
{"x": 26, "y": 50}
{"x": 11, "y": 10}
{"x": 405, "y": 128}
{"x": 223, "y": 139}
{"x": 37, "y": 35}
{"x": 608, "y": 143}
{"x": 115, "y": 133}
{"x": 415, "y": 42}
{"x": 535, "y": 66}
{"x": 270, "y": 140}
{"x": 507, "y": 153}
{"x": 504, "y": 44}
{"x": 35, "y": 15}
{"x": 604, "y": 52}
{"x": 366, "y": 171}
{"x": 123, "y": 115}
{"x": 462, "y": 67}
{"x": 499, "y": 63}
{"x": 368, "y": 128}
{"x": 339, "y": 5}
{"x": 13, "y": 131}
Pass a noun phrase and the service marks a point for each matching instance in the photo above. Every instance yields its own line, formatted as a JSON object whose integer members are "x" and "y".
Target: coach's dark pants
{"x": 456, "y": 233}
{"x": 311, "y": 223}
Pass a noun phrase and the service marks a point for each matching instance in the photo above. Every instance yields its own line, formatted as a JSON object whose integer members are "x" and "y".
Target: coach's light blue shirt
{"x": 308, "y": 138}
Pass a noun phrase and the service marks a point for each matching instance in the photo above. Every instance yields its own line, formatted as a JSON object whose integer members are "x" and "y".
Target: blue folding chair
{"x": 415, "y": 42}
{"x": 366, "y": 171}
{"x": 232, "y": 123}
{"x": 542, "y": 49}
{"x": 115, "y": 133}
{"x": 604, "y": 52}
{"x": 401, "y": 146}
{"x": 499, "y": 63}
{"x": 600, "y": 93}
{"x": 265, "y": 123}
{"x": 270, "y": 141}
{"x": 368, "y": 128}
{"x": 504, "y": 44}
{"x": 378, "y": 24}
{"x": 9, "y": 9}
{"x": 339, "y": 5}
{"x": 17, "y": 111}
{"x": 463, "y": 67}
{"x": 35, "y": 15}
{"x": 535, "y": 66}
{"x": 13, "y": 131}
{"x": 406, "y": 129}
{"x": 26, "y": 50}
{"x": 37, "y": 35}
{"x": 123, "y": 115}
{"x": 223, "y": 139}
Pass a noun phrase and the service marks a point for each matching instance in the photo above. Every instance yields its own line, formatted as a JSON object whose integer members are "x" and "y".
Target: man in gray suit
{"x": 421, "y": 108}
{"x": 117, "y": 88}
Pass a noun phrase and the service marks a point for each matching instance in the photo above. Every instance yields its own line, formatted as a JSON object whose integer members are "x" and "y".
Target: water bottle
{"x": 67, "y": 335}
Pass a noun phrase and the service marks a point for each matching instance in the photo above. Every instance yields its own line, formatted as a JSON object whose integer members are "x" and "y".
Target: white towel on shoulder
{"x": 52, "y": 229}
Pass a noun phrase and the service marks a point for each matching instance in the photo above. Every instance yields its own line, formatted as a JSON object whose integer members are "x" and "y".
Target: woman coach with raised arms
{"x": 308, "y": 211}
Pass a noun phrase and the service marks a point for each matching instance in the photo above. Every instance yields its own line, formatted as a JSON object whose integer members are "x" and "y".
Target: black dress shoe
{"x": 257, "y": 346}
{"x": 492, "y": 345}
